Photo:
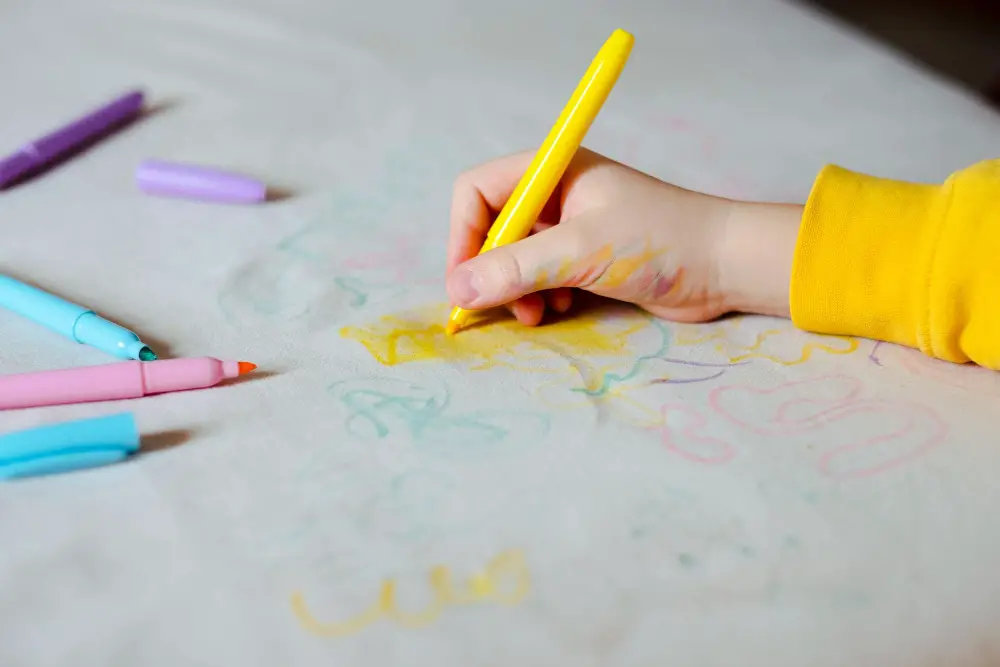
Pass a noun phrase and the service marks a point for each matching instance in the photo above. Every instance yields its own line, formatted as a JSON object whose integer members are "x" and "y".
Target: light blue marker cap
{"x": 68, "y": 446}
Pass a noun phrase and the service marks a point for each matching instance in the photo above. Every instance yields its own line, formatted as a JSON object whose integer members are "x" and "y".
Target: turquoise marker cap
{"x": 75, "y": 445}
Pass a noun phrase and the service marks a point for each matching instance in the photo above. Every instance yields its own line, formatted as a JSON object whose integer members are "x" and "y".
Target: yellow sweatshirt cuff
{"x": 902, "y": 262}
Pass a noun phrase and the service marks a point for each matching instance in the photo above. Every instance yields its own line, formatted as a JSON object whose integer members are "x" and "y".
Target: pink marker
{"x": 113, "y": 382}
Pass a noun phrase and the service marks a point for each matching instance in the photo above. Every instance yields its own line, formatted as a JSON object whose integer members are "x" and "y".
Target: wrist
{"x": 757, "y": 246}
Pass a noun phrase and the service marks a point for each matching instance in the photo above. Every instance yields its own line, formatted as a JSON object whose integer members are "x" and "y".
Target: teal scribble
{"x": 361, "y": 291}
{"x": 386, "y": 407}
{"x": 338, "y": 259}
{"x": 421, "y": 505}
{"x": 609, "y": 380}
{"x": 656, "y": 510}
{"x": 687, "y": 560}
{"x": 416, "y": 505}
{"x": 355, "y": 288}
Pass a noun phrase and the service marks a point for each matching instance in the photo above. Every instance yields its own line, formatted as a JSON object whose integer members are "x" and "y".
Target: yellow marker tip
{"x": 455, "y": 321}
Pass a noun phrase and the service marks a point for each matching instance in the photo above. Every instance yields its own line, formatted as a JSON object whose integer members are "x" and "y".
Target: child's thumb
{"x": 509, "y": 272}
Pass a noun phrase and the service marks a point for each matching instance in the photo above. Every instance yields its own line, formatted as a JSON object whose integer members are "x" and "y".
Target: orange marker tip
{"x": 247, "y": 367}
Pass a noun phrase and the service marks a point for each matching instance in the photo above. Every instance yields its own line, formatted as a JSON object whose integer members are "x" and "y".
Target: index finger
{"x": 478, "y": 194}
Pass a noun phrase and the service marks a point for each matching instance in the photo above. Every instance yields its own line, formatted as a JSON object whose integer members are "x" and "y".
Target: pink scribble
{"x": 402, "y": 259}
{"x": 725, "y": 451}
{"x": 967, "y": 377}
{"x": 928, "y": 427}
{"x": 841, "y": 402}
{"x": 779, "y": 422}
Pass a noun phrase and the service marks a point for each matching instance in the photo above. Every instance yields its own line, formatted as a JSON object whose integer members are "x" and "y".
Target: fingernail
{"x": 463, "y": 288}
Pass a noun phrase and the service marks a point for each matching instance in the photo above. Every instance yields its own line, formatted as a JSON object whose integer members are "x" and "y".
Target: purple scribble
{"x": 873, "y": 355}
{"x": 695, "y": 364}
{"x": 687, "y": 380}
{"x": 703, "y": 364}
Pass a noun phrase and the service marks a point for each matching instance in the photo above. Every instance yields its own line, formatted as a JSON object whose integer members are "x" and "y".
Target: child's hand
{"x": 616, "y": 232}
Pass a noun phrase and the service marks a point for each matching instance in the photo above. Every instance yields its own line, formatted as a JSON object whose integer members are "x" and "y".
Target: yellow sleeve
{"x": 902, "y": 262}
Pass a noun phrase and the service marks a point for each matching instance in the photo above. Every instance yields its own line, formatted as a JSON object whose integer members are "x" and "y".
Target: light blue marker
{"x": 75, "y": 445}
{"x": 73, "y": 321}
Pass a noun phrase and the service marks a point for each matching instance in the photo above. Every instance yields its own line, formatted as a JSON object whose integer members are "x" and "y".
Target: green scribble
{"x": 311, "y": 264}
{"x": 353, "y": 287}
{"x": 423, "y": 505}
{"x": 360, "y": 290}
{"x": 655, "y": 510}
{"x": 378, "y": 409}
{"x": 686, "y": 560}
{"x": 609, "y": 380}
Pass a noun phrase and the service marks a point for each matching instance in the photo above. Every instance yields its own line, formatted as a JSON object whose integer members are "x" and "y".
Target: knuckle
{"x": 508, "y": 269}
{"x": 461, "y": 182}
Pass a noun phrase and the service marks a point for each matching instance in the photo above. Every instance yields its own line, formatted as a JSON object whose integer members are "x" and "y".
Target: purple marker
{"x": 43, "y": 152}
{"x": 172, "y": 179}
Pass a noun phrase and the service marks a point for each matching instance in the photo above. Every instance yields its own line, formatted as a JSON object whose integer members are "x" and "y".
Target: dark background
{"x": 959, "y": 39}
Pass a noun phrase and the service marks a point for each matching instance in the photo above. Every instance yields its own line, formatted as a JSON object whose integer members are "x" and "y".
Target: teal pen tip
{"x": 146, "y": 354}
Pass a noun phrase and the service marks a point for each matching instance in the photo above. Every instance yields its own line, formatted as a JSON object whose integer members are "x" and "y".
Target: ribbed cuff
{"x": 863, "y": 257}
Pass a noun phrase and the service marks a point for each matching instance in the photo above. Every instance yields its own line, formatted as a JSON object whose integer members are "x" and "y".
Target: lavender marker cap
{"x": 172, "y": 179}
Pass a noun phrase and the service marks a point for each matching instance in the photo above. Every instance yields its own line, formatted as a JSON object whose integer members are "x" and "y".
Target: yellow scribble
{"x": 620, "y": 403}
{"x": 735, "y": 352}
{"x": 494, "y": 340}
{"x": 807, "y": 349}
{"x": 505, "y": 580}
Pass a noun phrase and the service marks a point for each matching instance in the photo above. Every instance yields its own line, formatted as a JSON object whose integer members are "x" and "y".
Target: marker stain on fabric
{"x": 492, "y": 339}
{"x": 505, "y": 581}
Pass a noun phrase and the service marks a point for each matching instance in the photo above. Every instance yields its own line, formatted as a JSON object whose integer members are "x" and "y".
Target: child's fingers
{"x": 560, "y": 299}
{"x": 477, "y": 195}
{"x": 529, "y": 309}
{"x": 510, "y": 272}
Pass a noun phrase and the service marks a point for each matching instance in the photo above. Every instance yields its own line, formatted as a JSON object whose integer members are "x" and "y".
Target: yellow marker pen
{"x": 521, "y": 211}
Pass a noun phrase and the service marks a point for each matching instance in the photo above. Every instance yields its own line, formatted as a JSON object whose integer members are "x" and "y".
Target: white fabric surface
{"x": 781, "y": 550}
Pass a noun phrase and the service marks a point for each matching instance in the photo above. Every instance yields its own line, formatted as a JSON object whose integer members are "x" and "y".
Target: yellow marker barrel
{"x": 521, "y": 211}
